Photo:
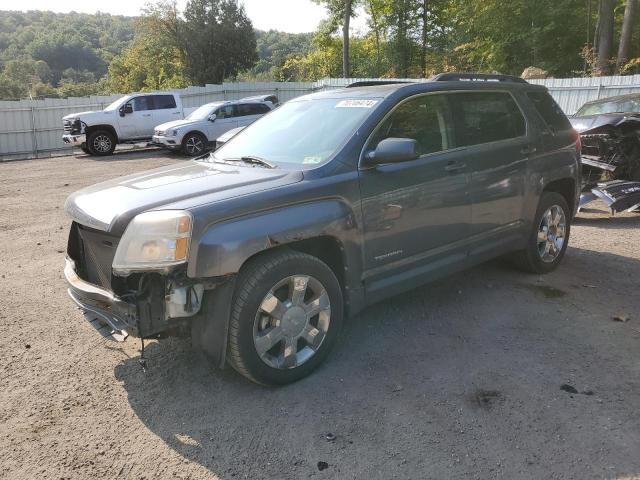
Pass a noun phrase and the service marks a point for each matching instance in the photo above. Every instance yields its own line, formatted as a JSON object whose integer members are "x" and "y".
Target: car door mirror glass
{"x": 212, "y": 117}
{"x": 126, "y": 109}
{"x": 393, "y": 150}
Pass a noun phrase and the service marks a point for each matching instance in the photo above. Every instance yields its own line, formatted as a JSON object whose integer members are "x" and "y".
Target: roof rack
{"x": 477, "y": 77}
{"x": 373, "y": 83}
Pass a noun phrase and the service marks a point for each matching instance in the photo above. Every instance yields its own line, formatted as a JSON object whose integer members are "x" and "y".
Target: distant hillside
{"x": 67, "y": 54}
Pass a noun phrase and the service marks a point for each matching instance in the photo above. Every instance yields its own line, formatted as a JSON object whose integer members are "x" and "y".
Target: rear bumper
{"x": 74, "y": 139}
{"x": 121, "y": 316}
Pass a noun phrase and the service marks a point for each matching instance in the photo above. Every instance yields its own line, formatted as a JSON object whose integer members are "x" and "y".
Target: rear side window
{"x": 425, "y": 119}
{"x": 245, "y": 109}
{"x": 163, "y": 102}
{"x": 550, "y": 111}
{"x": 483, "y": 117}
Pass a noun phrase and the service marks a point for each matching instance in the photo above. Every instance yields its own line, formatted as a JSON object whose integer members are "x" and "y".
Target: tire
{"x": 305, "y": 337}
{"x": 84, "y": 148}
{"x": 101, "y": 143}
{"x": 543, "y": 256}
{"x": 194, "y": 144}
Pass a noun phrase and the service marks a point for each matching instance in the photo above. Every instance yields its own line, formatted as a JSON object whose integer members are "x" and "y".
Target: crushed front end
{"x": 143, "y": 304}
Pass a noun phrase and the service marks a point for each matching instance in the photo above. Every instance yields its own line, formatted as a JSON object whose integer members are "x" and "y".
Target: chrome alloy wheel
{"x": 292, "y": 322}
{"x": 102, "y": 143}
{"x": 551, "y": 233}
{"x": 194, "y": 145}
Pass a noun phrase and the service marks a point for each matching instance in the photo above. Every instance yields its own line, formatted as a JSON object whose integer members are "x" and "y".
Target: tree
{"x": 217, "y": 39}
{"x": 340, "y": 13}
{"x": 626, "y": 34}
{"x": 605, "y": 36}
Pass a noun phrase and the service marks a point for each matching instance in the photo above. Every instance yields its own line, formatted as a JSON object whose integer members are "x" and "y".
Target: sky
{"x": 293, "y": 16}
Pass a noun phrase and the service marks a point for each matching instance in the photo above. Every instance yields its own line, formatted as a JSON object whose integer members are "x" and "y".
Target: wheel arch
{"x": 565, "y": 187}
{"x": 190, "y": 132}
{"x": 109, "y": 128}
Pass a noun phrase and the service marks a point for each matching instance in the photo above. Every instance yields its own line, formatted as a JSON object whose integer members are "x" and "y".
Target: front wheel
{"x": 549, "y": 237}
{"x": 194, "y": 144}
{"x": 286, "y": 315}
{"x": 101, "y": 143}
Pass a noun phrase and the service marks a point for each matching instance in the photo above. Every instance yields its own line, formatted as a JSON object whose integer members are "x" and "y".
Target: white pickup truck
{"x": 129, "y": 119}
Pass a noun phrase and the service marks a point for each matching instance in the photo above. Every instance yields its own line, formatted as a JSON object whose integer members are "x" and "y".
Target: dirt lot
{"x": 456, "y": 379}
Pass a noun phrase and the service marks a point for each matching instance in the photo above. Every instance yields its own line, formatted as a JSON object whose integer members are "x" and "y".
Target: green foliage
{"x": 44, "y": 53}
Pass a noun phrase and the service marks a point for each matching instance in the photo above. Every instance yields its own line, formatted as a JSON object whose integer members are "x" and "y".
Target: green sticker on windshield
{"x": 312, "y": 160}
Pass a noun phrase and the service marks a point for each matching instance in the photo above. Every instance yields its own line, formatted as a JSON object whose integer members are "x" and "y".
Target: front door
{"x": 225, "y": 120}
{"x": 416, "y": 214}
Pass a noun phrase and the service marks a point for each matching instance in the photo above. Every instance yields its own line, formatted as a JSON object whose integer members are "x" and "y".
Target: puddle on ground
{"x": 547, "y": 290}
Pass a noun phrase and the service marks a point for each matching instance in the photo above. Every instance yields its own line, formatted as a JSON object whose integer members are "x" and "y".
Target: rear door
{"x": 416, "y": 214}
{"x": 165, "y": 110}
{"x": 492, "y": 129}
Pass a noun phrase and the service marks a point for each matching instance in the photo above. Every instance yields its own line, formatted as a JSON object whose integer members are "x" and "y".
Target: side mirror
{"x": 212, "y": 117}
{"x": 393, "y": 150}
{"x": 125, "y": 109}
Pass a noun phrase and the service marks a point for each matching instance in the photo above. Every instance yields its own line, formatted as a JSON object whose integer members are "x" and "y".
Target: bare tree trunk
{"x": 605, "y": 40}
{"x": 423, "y": 59}
{"x": 627, "y": 33}
{"x": 346, "y": 67}
{"x": 376, "y": 30}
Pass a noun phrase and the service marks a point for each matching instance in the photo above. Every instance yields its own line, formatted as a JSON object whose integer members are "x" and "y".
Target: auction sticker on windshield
{"x": 356, "y": 103}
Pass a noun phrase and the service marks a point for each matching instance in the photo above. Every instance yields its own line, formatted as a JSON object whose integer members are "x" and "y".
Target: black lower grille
{"x": 94, "y": 255}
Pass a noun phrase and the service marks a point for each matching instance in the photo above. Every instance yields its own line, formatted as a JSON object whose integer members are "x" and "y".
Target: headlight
{"x": 173, "y": 133}
{"x": 154, "y": 240}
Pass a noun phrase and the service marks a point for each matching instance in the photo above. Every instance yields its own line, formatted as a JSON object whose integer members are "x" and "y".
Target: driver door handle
{"x": 146, "y": 114}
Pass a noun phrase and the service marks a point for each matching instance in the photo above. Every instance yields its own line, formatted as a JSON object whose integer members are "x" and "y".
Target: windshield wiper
{"x": 252, "y": 159}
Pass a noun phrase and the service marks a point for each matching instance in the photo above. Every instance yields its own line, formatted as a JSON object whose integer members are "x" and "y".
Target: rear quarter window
{"x": 550, "y": 111}
{"x": 483, "y": 117}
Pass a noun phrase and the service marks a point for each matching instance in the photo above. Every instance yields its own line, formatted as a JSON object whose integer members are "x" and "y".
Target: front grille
{"x": 93, "y": 253}
{"x": 71, "y": 128}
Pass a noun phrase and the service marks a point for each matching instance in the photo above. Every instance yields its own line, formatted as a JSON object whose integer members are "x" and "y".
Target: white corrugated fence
{"x": 33, "y": 128}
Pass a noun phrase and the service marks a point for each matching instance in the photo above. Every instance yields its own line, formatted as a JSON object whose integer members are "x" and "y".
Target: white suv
{"x": 199, "y": 131}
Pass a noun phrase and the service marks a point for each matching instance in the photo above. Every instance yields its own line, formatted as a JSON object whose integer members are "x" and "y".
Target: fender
{"x": 224, "y": 247}
{"x": 90, "y": 128}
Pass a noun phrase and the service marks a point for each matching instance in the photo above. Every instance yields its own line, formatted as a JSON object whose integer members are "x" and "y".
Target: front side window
{"x": 226, "y": 111}
{"x": 142, "y": 103}
{"x": 483, "y": 117}
{"x": 426, "y": 119}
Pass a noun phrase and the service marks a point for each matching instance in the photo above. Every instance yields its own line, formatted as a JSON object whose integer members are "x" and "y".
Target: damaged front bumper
{"x": 74, "y": 139}
{"x": 118, "y": 314}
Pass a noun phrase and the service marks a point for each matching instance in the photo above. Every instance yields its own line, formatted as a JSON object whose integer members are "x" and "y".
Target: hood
{"x": 88, "y": 116}
{"x": 109, "y": 206}
{"x": 591, "y": 122}
{"x": 179, "y": 123}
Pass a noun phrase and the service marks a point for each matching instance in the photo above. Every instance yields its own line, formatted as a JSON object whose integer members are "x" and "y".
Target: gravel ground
{"x": 461, "y": 378}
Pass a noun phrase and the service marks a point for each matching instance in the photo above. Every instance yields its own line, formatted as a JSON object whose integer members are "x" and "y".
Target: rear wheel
{"x": 286, "y": 316}
{"x": 101, "y": 143}
{"x": 549, "y": 237}
{"x": 194, "y": 144}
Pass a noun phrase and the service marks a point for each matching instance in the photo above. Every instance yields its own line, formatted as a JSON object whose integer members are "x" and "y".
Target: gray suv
{"x": 330, "y": 203}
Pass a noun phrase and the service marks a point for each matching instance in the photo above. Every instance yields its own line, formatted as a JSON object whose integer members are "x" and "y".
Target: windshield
{"x": 626, "y": 105}
{"x": 299, "y": 132}
{"x": 115, "y": 104}
{"x": 202, "y": 113}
